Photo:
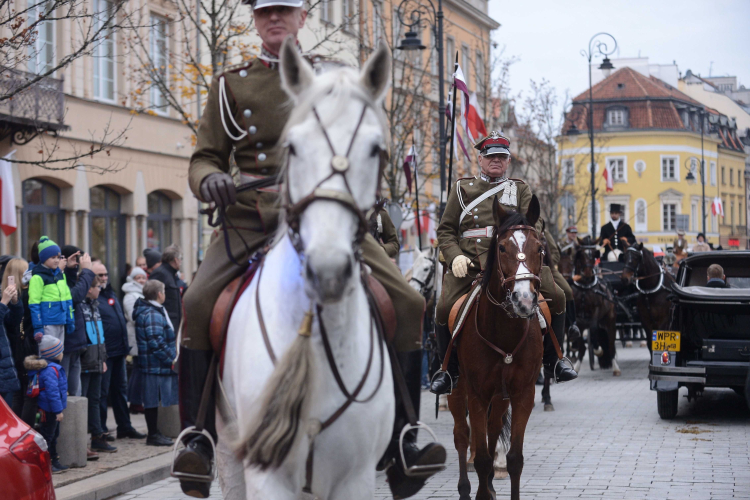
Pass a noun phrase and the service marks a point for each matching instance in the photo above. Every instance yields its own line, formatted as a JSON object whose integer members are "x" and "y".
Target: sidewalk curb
{"x": 117, "y": 481}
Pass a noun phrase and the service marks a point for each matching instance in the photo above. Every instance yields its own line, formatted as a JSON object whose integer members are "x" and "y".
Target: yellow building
{"x": 649, "y": 135}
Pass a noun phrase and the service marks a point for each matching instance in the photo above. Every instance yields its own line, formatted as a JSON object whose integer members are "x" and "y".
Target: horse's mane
{"x": 587, "y": 242}
{"x": 513, "y": 219}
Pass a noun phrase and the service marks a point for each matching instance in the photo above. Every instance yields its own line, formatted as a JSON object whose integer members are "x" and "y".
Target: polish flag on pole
{"x": 717, "y": 207}
{"x": 459, "y": 82}
{"x": 608, "y": 178}
{"x": 409, "y": 162}
{"x": 7, "y": 198}
{"x": 476, "y": 128}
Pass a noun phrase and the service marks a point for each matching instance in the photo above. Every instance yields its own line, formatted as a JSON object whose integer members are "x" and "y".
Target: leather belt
{"x": 484, "y": 232}
{"x": 247, "y": 178}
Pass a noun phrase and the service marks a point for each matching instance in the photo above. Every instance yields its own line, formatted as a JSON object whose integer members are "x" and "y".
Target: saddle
{"x": 225, "y": 304}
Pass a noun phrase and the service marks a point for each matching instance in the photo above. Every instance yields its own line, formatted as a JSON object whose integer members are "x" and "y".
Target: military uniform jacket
{"x": 453, "y": 238}
{"x": 554, "y": 249}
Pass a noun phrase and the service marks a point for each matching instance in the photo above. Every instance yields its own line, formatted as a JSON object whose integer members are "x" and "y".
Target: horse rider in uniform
{"x": 570, "y": 304}
{"x": 571, "y": 239}
{"x": 383, "y": 230}
{"x": 616, "y": 234}
{"x": 245, "y": 114}
{"x": 464, "y": 237}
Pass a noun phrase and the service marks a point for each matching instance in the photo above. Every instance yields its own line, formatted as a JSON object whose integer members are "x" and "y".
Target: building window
{"x": 326, "y": 11}
{"x": 450, "y": 57}
{"x": 617, "y": 167}
{"x": 348, "y": 14}
{"x": 641, "y": 219}
{"x": 723, "y": 180}
{"x": 160, "y": 60}
{"x": 466, "y": 64}
{"x": 668, "y": 216}
{"x": 481, "y": 84}
{"x": 616, "y": 117}
{"x": 107, "y": 229}
{"x": 104, "y": 52}
{"x": 669, "y": 171}
{"x": 41, "y": 214}
{"x": 433, "y": 54}
{"x": 694, "y": 216}
{"x": 731, "y": 214}
{"x": 731, "y": 177}
{"x": 569, "y": 172}
{"x": 568, "y": 204}
{"x": 159, "y": 221}
{"x": 713, "y": 173}
{"x": 42, "y": 51}
{"x": 377, "y": 22}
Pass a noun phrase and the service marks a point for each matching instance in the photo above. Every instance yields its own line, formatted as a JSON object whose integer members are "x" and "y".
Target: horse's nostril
{"x": 514, "y": 296}
{"x": 309, "y": 272}
{"x": 348, "y": 269}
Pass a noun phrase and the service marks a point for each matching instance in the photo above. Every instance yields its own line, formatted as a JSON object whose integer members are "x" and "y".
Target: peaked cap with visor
{"x": 494, "y": 144}
{"x": 261, "y": 4}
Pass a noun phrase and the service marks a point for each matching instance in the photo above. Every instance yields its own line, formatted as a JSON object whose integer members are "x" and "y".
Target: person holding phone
{"x": 11, "y": 314}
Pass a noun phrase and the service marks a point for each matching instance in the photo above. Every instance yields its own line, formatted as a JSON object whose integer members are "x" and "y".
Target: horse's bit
{"x": 659, "y": 285}
{"x": 589, "y": 251}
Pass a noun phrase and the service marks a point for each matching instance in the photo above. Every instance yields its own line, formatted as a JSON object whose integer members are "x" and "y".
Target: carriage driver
{"x": 464, "y": 242}
{"x": 245, "y": 113}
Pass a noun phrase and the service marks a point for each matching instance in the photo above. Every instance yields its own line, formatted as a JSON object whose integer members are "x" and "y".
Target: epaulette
{"x": 239, "y": 66}
{"x": 466, "y": 178}
{"x": 517, "y": 180}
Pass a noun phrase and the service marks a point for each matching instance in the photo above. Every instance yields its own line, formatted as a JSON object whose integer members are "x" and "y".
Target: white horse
{"x": 333, "y": 140}
{"x": 425, "y": 272}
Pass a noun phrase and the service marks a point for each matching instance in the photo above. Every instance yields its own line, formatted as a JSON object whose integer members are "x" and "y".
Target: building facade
{"x": 648, "y": 135}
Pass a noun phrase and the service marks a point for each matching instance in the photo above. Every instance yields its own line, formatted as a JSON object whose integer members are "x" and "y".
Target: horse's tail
{"x": 271, "y": 435}
{"x": 505, "y": 432}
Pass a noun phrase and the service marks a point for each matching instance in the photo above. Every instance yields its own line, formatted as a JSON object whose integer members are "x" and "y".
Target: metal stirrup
{"x": 450, "y": 386}
{"x": 554, "y": 370}
{"x": 424, "y": 471}
{"x": 201, "y": 478}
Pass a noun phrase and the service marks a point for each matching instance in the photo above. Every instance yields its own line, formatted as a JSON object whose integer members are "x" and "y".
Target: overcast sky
{"x": 548, "y": 35}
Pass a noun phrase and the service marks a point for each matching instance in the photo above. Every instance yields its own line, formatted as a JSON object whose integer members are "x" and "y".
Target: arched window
{"x": 641, "y": 216}
{"x": 107, "y": 231}
{"x": 41, "y": 214}
{"x": 159, "y": 221}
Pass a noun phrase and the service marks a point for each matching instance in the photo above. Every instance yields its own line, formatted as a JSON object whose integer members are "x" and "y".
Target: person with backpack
{"x": 49, "y": 384}
{"x": 49, "y": 296}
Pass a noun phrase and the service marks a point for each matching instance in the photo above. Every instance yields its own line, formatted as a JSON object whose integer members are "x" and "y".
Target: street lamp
{"x": 600, "y": 48}
{"x": 690, "y": 177}
{"x": 411, "y": 41}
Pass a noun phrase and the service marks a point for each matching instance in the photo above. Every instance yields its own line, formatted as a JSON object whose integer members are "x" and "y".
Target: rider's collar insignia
{"x": 491, "y": 180}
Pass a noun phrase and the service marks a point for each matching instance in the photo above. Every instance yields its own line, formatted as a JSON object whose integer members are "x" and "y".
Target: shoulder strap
{"x": 225, "y": 108}
{"x": 466, "y": 211}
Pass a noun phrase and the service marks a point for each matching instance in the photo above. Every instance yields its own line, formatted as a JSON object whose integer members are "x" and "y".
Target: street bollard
{"x": 73, "y": 440}
{"x": 168, "y": 422}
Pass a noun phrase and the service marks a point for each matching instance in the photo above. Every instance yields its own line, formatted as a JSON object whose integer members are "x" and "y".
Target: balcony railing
{"x": 36, "y": 109}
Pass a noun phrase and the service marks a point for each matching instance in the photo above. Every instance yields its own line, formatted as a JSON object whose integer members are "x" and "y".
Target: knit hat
{"x": 137, "y": 271}
{"x": 47, "y": 249}
{"x": 68, "y": 250}
{"x": 50, "y": 347}
{"x": 153, "y": 257}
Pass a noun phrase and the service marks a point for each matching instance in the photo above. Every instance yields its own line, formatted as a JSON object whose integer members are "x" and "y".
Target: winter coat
{"x": 95, "y": 353}
{"x": 53, "y": 383}
{"x": 115, "y": 326}
{"x": 49, "y": 299}
{"x": 156, "y": 339}
{"x": 173, "y": 298}
{"x": 10, "y": 316}
{"x": 21, "y": 338}
{"x": 133, "y": 291}
{"x": 79, "y": 288}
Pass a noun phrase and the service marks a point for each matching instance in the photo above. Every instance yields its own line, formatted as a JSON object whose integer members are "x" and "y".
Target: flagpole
{"x": 453, "y": 127}
{"x": 416, "y": 197}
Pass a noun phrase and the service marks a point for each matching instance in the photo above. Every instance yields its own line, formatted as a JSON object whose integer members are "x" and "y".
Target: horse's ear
{"x": 498, "y": 212}
{"x": 296, "y": 73}
{"x": 640, "y": 246}
{"x": 532, "y": 214}
{"x": 579, "y": 240}
{"x": 376, "y": 73}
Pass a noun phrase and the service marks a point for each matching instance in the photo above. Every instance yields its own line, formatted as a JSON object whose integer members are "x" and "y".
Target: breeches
{"x": 217, "y": 271}
{"x": 454, "y": 288}
{"x": 563, "y": 284}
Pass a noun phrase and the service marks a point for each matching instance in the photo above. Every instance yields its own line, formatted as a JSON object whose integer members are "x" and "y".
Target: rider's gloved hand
{"x": 460, "y": 266}
{"x": 219, "y": 188}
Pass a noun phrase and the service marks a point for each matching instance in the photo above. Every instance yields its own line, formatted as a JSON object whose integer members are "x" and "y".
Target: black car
{"x": 708, "y": 343}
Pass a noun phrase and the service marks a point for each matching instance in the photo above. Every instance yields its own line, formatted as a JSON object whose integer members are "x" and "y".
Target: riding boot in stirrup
{"x": 406, "y": 479}
{"x": 554, "y": 367}
{"x": 443, "y": 382}
{"x": 570, "y": 314}
{"x": 193, "y": 464}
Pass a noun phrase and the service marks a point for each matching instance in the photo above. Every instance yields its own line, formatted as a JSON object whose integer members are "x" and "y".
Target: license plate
{"x": 663, "y": 340}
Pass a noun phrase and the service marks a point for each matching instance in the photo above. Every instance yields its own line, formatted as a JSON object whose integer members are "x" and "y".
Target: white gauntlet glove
{"x": 460, "y": 266}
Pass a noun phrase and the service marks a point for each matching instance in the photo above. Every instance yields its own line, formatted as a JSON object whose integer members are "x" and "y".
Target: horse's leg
{"x": 457, "y": 405}
{"x": 546, "y": 396}
{"x": 521, "y": 404}
{"x": 354, "y": 487}
{"x": 231, "y": 470}
{"x": 494, "y": 430}
{"x": 483, "y": 460}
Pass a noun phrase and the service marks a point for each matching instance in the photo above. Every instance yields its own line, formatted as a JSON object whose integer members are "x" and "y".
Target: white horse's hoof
{"x": 577, "y": 366}
{"x": 549, "y": 407}
{"x": 501, "y": 473}
{"x": 643, "y": 343}
{"x": 599, "y": 351}
{"x": 629, "y": 343}
{"x": 616, "y": 373}
{"x": 443, "y": 405}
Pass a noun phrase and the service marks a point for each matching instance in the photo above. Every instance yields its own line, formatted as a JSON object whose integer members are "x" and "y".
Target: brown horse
{"x": 500, "y": 353}
{"x": 595, "y": 307}
{"x": 653, "y": 283}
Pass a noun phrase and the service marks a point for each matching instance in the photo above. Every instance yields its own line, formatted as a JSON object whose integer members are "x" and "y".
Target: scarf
{"x": 169, "y": 321}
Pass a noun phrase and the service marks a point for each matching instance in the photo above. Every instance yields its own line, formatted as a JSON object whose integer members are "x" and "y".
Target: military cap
{"x": 494, "y": 144}
{"x": 571, "y": 229}
{"x": 261, "y": 4}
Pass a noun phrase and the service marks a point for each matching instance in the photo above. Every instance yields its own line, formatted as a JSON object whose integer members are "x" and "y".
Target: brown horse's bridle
{"x": 339, "y": 166}
{"x": 506, "y": 304}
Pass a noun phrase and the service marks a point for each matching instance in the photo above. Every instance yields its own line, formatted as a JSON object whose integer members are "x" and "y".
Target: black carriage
{"x": 628, "y": 323}
{"x": 708, "y": 341}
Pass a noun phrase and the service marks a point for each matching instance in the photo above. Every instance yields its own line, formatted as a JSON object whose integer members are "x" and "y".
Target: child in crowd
{"x": 53, "y": 392}
{"x": 49, "y": 296}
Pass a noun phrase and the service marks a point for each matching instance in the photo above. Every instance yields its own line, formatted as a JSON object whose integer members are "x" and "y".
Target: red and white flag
{"x": 717, "y": 207}
{"x": 409, "y": 163}
{"x": 475, "y": 120}
{"x": 608, "y": 177}
{"x": 7, "y": 198}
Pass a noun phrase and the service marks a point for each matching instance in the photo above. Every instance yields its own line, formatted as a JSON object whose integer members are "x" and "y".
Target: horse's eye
{"x": 502, "y": 248}
{"x": 375, "y": 150}
{"x": 292, "y": 151}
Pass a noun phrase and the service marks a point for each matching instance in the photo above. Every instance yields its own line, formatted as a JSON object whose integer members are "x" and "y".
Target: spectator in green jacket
{"x": 50, "y": 301}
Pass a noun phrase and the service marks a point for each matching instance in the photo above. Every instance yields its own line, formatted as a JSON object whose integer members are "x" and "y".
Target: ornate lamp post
{"x": 597, "y": 46}
{"x": 411, "y": 41}
{"x": 690, "y": 177}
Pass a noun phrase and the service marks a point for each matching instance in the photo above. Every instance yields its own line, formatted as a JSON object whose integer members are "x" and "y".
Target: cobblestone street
{"x": 605, "y": 440}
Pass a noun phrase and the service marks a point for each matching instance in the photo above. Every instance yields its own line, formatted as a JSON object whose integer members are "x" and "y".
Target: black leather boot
{"x": 197, "y": 456}
{"x": 444, "y": 382}
{"x": 562, "y": 372}
{"x": 433, "y": 456}
{"x": 570, "y": 314}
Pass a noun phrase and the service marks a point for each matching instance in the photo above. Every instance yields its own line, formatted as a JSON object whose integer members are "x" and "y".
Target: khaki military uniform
{"x": 259, "y": 106}
{"x": 554, "y": 257}
{"x": 386, "y": 231}
{"x": 516, "y": 196}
